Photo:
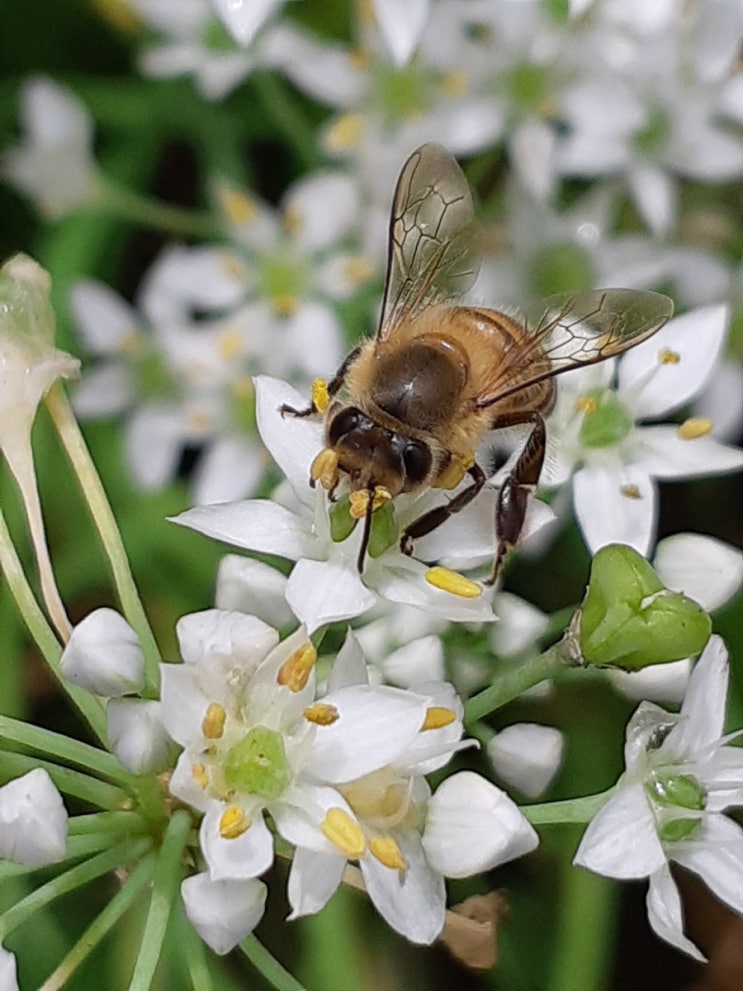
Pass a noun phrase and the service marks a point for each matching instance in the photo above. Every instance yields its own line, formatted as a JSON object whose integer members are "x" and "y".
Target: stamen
{"x": 450, "y": 581}
{"x": 294, "y": 673}
{"x": 212, "y": 725}
{"x": 455, "y": 83}
{"x": 359, "y": 501}
{"x": 357, "y": 270}
{"x": 586, "y": 404}
{"x": 696, "y": 426}
{"x": 285, "y": 304}
{"x": 324, "y": 468}
{"x": 438, "y": 716}
{"x": 236, "y": 206}
{"x": 668, "y": 357}
{"x": 229, "y": 345}
{"x": 345, "y": 133}
{"x": 344, "y": 833}
{"x": 321, "y": 714}
{"x": 200, "y": 775}
{"x": 320, "y": 397}
{"x": 631, "y": 491}
{"x": 292, "y": 220}
{"x": 387, "y": 852}
{"x": 233, "y": 823}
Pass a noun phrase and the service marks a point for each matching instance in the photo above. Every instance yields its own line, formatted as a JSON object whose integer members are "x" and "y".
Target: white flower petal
{"x": 137, "y": 735}
{"x": 663, "y": 453}
{"x": 527, "y": 756}
{"x": 665, "y": 913}
{"x": 412, "y": 901}
{"x": 657, "y": 682}
{"x": 420, "y": 660}
{"x": 248, "y": 586}
{"x": 183, "y": 784}
{"x": 230, "y": 469}
{"x": 375, "y": 725}
{"x": 703, "y": 711}
{"x": 323, "y": 208}
{"x": 105, "y": 321}
{"x": 33, "y": 820}
{"x": 223, "y": 912}
{"x": 401, "y": 23}
{"x": 8, "y": 970}
{"x": 313, "y": 880}
{"x": 321, "y": 592}
{"x": 300, "y": 812}
{"x": 532, "y": 155}
{"x": 314, "y": 339}
{"x": 715, "y": 853}
{"x": 293, "y": 442}
{"x": 246, "y": 856}
{"x": 254, "y": 524}
{"x": 615, "y": 507}
{"x": 349, "y": 667}
{"x": 153, "y": 442}
{"x": 519, "y": 626}
{"x": 621, "y": 840}
{"x": 472, "y": 826}
{"x": 706, "y": 570}
{"x": 407, "y": 584}
{"x": 103, "y": 655}
{"x": 103, "y": 391}
{"x": 655, "y": 194}
{"x": 216, "y": 637}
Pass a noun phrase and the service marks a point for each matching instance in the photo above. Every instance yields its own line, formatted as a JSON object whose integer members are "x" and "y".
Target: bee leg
{"x": 435, "y": 517}
{"x": 513, "y": 498}
{"x": 334, "y": 387}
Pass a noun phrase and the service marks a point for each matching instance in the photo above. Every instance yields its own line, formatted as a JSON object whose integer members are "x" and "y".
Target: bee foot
{"x": 406, "y": 545}
{"x": 287, "y": 410}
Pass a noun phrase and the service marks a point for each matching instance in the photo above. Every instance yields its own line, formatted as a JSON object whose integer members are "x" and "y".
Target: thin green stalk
{"x": 283, "y": 111}
{"x": 90, "y": 708}
{"x": 267, "y": 965}
{"x": 105, "y": 522}
{"x": 69, "y": 782}
{"x": 106, "y": 822}
{"x": 102, "y": 924}
{"x": 514, "y": 682}
{"x": 570, "y": 810}
{"x": 77, "y": 847}
{"x": 74, "y": 878}
{"x": 138, "y": 208}
{"x": 165, "y": 885}
{"x": 64, "y": 748}
{"x": 194, "y": 952}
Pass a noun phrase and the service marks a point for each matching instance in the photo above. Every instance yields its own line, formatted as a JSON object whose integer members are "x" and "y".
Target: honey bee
{"x": 408, "y": 409}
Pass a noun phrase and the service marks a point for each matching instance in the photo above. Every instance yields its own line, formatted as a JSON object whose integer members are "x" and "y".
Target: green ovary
{"x": 608, "y": 423}
{"x": 258, "y": 764}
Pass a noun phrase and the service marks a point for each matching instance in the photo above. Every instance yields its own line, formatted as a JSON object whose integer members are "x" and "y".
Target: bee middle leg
{"x": 334, "y": 387}
{"x": 513, "y": 498}
{"x": 435, "y": 517}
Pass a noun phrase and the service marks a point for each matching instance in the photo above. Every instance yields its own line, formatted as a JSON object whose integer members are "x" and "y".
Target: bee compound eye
{"x": 343, "y": 423}
{"x": 417, "y": 459}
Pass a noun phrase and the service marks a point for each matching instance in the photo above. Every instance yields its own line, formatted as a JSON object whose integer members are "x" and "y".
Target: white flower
{"x": 325, "y": 585}
{"x": 681, "y": 775}
{"x": 8, "y": 970}
{"x": 527, "y": 756}
{"x": 33, "y": 820}
{"x": 104, "y": 655}
{"x": 595, "y": 430}
{"x": 54, "y": 163}
{"x": 243, "y": 18}
{"x": 223, "y": 912}
{"x": 401, "y": 23}
{"x": 137, "y": 735}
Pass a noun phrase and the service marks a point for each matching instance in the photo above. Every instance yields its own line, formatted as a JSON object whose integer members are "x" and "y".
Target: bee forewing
{"x": 433, "y": 237}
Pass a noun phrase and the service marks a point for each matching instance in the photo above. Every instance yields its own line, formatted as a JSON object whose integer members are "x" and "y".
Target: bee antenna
{"x": 367, "y": 530}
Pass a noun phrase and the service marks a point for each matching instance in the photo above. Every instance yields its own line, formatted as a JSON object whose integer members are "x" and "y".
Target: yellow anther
{"x": 450, "y": 581}
{"x": 586, "y": 404}
{"x": 233, "y": 823}
{"x": 233, "y": 267}
{"x": 285, "y": 304}
{"x": 320, "y": 397}
{"x": 438, "y": 716}
{"x": 345, "y": 133}
{"x": 294, "y": 673}
{"x": 200, "y": 421}
{"x": 696, "y": 426}
{"x": 324, "y": 468}
{"x": 455, "y": 471}
{"x": 200, "y": 775}
{"x": 212, "y": 725}
{"x": 359, "y": 501}
{"x": 130, "y": 342}
{"x": 387, "y": 852}
{"x": 455, "y": 83}
{"x": 237, "y": 207}
{"x": 229, "y": 345}
{"x": 321, "y": 714}
{"x": 344, "y": 833}
{"x": 668, "y": 357}
{"x": 292, "y": 220}
{"x": 359, "y": 59}
{"x": 357, "y": 270}
{"x": 631, "y": 491}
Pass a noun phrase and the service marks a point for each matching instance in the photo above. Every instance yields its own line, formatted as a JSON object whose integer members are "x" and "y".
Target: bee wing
{"x": 574, "y": 330}
{"x": 432, "y": 237}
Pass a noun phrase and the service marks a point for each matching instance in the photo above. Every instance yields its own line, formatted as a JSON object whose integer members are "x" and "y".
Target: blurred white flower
{"x": 243, "y": 18}
{"x": 681, "y": 775}
{"x": 54, "y": 163}
{"x": 401, "y": 23}
{"x": 103, "y": 655}
{"x": 33, "y": 820}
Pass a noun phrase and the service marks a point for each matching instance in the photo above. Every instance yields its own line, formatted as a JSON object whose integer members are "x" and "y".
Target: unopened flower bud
{"x": 104, "y": 655}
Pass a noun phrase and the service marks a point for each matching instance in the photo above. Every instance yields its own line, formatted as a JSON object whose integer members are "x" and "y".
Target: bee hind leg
{"x": 435, "y": 517}
{"x": 513, "y": 498}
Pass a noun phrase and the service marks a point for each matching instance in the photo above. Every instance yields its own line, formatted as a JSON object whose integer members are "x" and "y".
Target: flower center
{"x": 403, "y": 94}
{"x": 284, "y": 282}
{"x": 606, "y": 422}
{"x": 380, "y": 799}
{"x": 670, "y": 792}
{"x": 558, "y": 267}
{"x": 258, "y": 764}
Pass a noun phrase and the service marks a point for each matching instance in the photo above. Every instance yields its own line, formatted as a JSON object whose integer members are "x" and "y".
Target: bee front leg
{"x": 435, "y": 517}
{"x": 322, "y": 392}
{"x": 513, "y": 498}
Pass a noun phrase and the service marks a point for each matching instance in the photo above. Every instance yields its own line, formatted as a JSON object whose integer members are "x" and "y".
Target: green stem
{"x": 90, "y": 708}
{"x": 77, "y": 847}
{"x": 64, "y": 748}
{"x": 69, "y": 782}
{"x": 106, "y": 822}
{"x": 283, "y": 111}
{"x": 575, "y": 810}
{"x": 267, "y": 965}
{"x": 102, "y": 924}
{"x": 515, "y": 681}
{"x": 77, "y": 451}
{"x": 194, "y": 952}
{"x": 74, "y": 878}
{"x": 128, "y": 204}
{"x": 165, "y": 886}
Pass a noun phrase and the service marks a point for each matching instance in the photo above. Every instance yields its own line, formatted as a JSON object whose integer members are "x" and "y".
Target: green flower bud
{"x": 629, "y": 620}
{"x": 258, "y": 764}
